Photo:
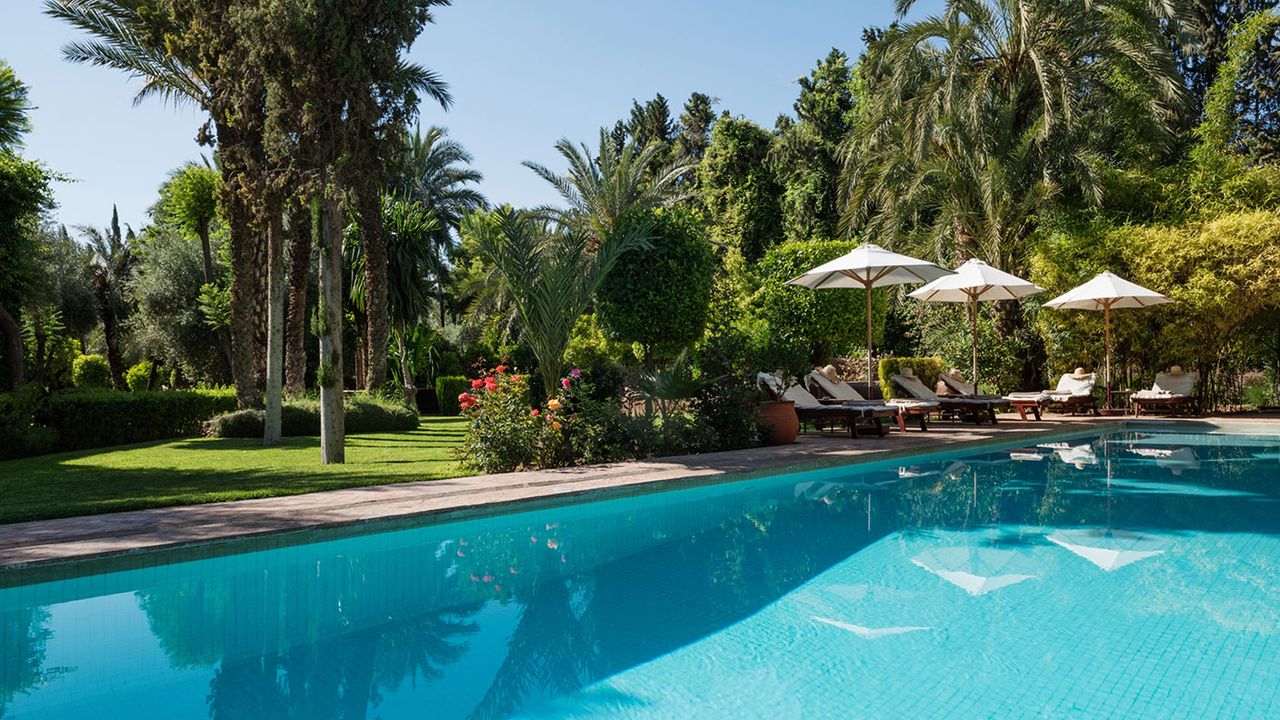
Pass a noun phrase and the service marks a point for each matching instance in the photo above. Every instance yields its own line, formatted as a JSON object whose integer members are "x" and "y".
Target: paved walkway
{"x": 46, "y": 541}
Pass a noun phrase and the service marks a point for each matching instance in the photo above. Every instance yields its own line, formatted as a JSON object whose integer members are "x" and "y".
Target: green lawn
{"x": 192, "y": 471}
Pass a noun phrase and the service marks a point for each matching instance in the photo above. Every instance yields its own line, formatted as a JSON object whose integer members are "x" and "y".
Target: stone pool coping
{"x": 29, "y": 544}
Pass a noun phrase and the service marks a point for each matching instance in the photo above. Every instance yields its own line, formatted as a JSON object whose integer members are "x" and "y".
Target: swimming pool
{"x": 1131, "y": 574}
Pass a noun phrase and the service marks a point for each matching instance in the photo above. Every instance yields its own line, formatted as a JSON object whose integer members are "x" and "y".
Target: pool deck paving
{"x": 78, "y": 538}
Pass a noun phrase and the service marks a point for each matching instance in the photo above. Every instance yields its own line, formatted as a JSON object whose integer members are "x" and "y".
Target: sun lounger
{"x": 841, "y": 391}
{"x": 810, "y": 409}
{"x": 1074, "y": 393}
{"x": 1171, "y": 393}
{"x": 974, "y": 407}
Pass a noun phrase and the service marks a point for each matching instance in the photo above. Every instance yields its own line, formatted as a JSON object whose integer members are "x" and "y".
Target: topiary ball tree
{"x": 658, "y": 297}
{"x": 827, "y": 322}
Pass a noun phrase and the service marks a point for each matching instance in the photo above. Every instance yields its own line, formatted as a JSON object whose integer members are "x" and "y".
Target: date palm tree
{"x": 109, "y": 269}
{"x": 435, "y": 173}
{"x": 976, "y": 117}
{"x": 14, "y": 107}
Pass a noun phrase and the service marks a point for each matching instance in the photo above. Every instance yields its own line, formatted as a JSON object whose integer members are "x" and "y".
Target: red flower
{"x": 500, "y": 369}
{"x": 534, "y": 412}
{"x": 477, "y": 384}
{"x": 464, "y": 397}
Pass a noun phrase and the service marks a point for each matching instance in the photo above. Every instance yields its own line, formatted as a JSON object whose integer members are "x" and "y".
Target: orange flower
{"x": 500, "y": 369}
{"x": 554, "y": 404}
{"x": 555, "y": 425}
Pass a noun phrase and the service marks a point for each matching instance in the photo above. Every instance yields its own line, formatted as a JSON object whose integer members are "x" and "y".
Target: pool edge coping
{"x": 549, "y": 494}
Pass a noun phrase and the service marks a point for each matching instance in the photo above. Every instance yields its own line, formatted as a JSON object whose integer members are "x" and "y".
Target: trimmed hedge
{"x": 301, "y": 418}
{"x": 19, "y": 437}
{"x": 448, "y": 388}
{"x": 926, "y": 368}
{"x": 87, "y": 419}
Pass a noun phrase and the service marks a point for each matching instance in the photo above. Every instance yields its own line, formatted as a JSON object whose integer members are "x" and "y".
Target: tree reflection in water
{"x": 568, "y": 596}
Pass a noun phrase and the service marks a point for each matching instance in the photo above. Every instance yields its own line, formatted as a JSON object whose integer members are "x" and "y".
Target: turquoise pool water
{"x": 1133, "y": 575}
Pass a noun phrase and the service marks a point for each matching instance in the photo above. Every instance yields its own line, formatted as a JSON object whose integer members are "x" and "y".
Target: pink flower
{"x": 575, "y": 373}
{"x": 564, "y": 383}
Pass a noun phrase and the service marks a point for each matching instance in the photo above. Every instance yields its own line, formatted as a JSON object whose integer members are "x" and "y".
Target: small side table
{"x": 1116, "y": 397}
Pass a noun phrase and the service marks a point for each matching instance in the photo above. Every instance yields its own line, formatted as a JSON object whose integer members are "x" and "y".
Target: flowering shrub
{"x": 572, "y": 427}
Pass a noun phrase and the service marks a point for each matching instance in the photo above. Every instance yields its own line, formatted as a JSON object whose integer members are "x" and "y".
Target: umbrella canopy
{"x": 869, "y": 266}
{"x": 1105, "y": 292}
{"x": 973, "y": 282}
{"x": 1108, "y": 549}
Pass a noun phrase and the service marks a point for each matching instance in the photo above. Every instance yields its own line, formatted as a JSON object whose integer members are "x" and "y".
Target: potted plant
{"x": 788, "y": 361}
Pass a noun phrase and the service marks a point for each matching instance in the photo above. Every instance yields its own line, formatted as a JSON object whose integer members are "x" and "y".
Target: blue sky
{"x": 523, "y": 75}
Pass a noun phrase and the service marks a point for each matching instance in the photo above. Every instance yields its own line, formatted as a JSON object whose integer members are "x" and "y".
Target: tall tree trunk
{"x": 206, "y": 252}
{"x": 110, "y": 332}
{"x": 329, "y": 374}
{"x": 295, "y": 360}
{"x": 275, "y": 323}
{"x": 13, "y": 349}
{"x": 406, "y": 373}
{"x": 206, "y": 256}
{"x": 242, "y": 300}
{"x": 261, "y": 297}
{"x": 375, "y": 289}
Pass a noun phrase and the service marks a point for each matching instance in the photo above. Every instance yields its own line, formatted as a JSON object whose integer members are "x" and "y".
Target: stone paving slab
{"x": 49, "y": 541}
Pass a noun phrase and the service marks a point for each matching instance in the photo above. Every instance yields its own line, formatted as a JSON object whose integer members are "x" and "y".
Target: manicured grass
{"x": 192, "y": 471}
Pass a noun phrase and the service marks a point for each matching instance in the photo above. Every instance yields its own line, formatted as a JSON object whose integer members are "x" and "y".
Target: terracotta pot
{"x": 779, "y": 421}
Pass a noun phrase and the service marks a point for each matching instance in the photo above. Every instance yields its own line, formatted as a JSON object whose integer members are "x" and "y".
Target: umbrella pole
{"x": 1106, "y": 311}
{"x": 973, "y": 321}
{"x": 868, "y": 286}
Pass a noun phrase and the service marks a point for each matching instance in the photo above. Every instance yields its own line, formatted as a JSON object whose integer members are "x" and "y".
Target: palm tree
{"x": 14, "y": 107}
{"x": 976, "y": 117}
{"x": 614, "y": 186}
{"x": 109, "y": 271}
{"x": 434, "y": 173}
{"x": 411, "y": 231}
{"x": 551, "y": 271}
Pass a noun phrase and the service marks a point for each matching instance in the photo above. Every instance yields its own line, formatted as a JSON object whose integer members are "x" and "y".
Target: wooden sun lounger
{"x": 844, "y": 393}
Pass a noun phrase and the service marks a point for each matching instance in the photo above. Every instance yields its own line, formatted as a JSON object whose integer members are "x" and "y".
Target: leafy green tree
{"x": 739, "y": 190}
{"x": 825, "y": 323}
{"x": 695, "y": 127}
{"x": 1256, "y": 104}
{"x": 189, "y": 201}
{"x": 805, "y": 155}
{"x": 168, "y": 319}
{"x": 658, "y": 296}
{"x": 191, "y": 51}
{"x": 24, "y": 194}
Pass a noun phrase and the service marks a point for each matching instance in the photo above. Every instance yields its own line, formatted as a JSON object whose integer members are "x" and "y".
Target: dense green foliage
{"x": 90, "y": 372}
{"x": 100, "y": 418}
{"x": 824, "y": 322}
{"x": 926, "y": 368}
{"x": 448, "y": 388}
{"x": 739, "y": 189}
{"x": 301, "y": 417}
{"x": 658, "y": 296}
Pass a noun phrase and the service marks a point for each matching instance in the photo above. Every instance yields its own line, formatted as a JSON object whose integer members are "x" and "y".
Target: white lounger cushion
{"x": 1168, "y": 385}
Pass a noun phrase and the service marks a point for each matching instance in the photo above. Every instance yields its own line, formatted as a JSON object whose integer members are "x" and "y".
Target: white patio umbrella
{"x": 869, "y": 266}
{"x": 975, "y": 281}
{"x": 1105, "y": 292}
